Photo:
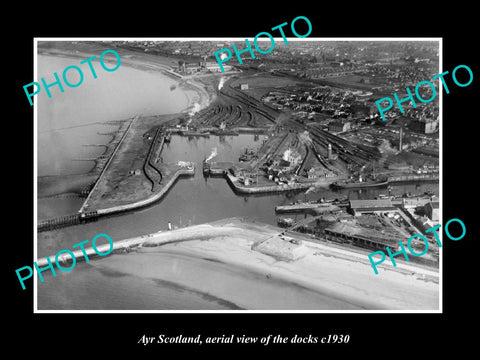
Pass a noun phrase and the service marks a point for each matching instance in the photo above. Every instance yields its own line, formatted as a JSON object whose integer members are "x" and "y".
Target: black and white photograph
{"x": 264, "y": 185}
{"x": 211, "y": 177}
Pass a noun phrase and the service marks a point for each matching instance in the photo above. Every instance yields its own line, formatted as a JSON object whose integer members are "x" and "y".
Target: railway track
{"x": 153, "y": 174}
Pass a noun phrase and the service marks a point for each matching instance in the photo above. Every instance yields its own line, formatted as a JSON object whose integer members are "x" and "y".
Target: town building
{"x": 214, "y": 67}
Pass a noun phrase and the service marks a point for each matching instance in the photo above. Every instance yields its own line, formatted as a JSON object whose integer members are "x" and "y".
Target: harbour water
{"x": 70, "y": 120}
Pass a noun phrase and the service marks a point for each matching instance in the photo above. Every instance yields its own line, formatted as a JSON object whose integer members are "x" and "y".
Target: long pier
{"x": 82, "y": 215}
{"x": 79, "y": 218}
{"x": 59, "y": 222}
{"x": 64, "y": 221}
{"x": 82, "y": 209}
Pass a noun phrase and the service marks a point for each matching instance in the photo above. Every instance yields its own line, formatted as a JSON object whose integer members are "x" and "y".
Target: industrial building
{"x": 432, "y": 210}
{"x": 424, "y": 127}
{"x": 317, "y": 173}
{"x": 214, "y": 67}
{"x": 368, "y": 238}
{"x": 338, "y": 126}
{"x": 359, "y": 207}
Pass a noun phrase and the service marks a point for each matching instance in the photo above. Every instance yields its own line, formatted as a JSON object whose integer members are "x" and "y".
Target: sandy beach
{"x": 217, "y": 260}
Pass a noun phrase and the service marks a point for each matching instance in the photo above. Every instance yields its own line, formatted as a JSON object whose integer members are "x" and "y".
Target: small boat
{"x": 247, "y": 155}
{"x": 206, "y": 168}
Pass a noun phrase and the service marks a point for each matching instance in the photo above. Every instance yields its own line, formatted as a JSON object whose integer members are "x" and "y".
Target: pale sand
{"x": 225, "y": 266}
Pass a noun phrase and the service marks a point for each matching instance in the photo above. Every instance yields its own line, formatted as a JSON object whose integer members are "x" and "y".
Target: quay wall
{"x": 75, "y": 219}
{"x": 274, "y": 188}
{"x": 413, "y": 177}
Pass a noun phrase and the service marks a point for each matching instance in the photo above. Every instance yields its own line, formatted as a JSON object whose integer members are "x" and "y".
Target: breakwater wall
{"x": 109, "y": 161}
{"x": 75, "y": 219}
{"x": 67, "y": 220}
{"x": 138, "y": 204}
{"x": 59, "y": 222}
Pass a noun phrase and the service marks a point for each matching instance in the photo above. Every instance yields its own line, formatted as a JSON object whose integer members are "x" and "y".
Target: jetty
{"x": 310, "y": 207}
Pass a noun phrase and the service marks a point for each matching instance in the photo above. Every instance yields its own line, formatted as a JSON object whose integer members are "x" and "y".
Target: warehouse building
{"x": 359, "y": 207}
{"x": 362, "y": 237}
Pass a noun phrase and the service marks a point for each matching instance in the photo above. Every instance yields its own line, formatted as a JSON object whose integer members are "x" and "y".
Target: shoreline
{"x": 321, "y": 278}
{"x": 50, "y": 183}
{"x": 142, "y": 64}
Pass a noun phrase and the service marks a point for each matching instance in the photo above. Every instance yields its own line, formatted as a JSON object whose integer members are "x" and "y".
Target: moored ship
{"x": 168, "y": 137}
{"x": 358, "y": 184}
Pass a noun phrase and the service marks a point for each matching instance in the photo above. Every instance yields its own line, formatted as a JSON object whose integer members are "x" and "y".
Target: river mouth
{"x": 198, "y": 199}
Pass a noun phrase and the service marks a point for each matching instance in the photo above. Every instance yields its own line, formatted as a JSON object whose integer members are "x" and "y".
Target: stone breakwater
{"x": 157, "y": 196}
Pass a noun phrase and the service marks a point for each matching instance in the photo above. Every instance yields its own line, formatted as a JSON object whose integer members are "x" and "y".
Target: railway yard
{"x": 296, "y": 152}
{"x": 312, "y": 136}
{"x": 299, "y": 149}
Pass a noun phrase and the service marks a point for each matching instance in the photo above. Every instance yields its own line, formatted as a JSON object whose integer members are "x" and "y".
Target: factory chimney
{"x": 400, "y": 142}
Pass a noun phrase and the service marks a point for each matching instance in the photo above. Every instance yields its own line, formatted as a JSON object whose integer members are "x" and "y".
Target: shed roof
{"x": 377, "y": 203}
{"x": 388, "y": 239}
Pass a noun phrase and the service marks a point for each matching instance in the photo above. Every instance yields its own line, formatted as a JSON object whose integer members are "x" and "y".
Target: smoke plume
{"x": 212, "y": 155}
{"x": 195, "y": 108}
{"x": 220, "y": 84}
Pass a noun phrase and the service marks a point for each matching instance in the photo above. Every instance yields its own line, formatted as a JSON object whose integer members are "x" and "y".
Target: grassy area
{"x": 259, "y": 86}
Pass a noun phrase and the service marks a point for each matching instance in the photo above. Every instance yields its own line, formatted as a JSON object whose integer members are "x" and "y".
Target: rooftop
{"x": 378, "y": 203}
{"x": 387, "y": 238}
